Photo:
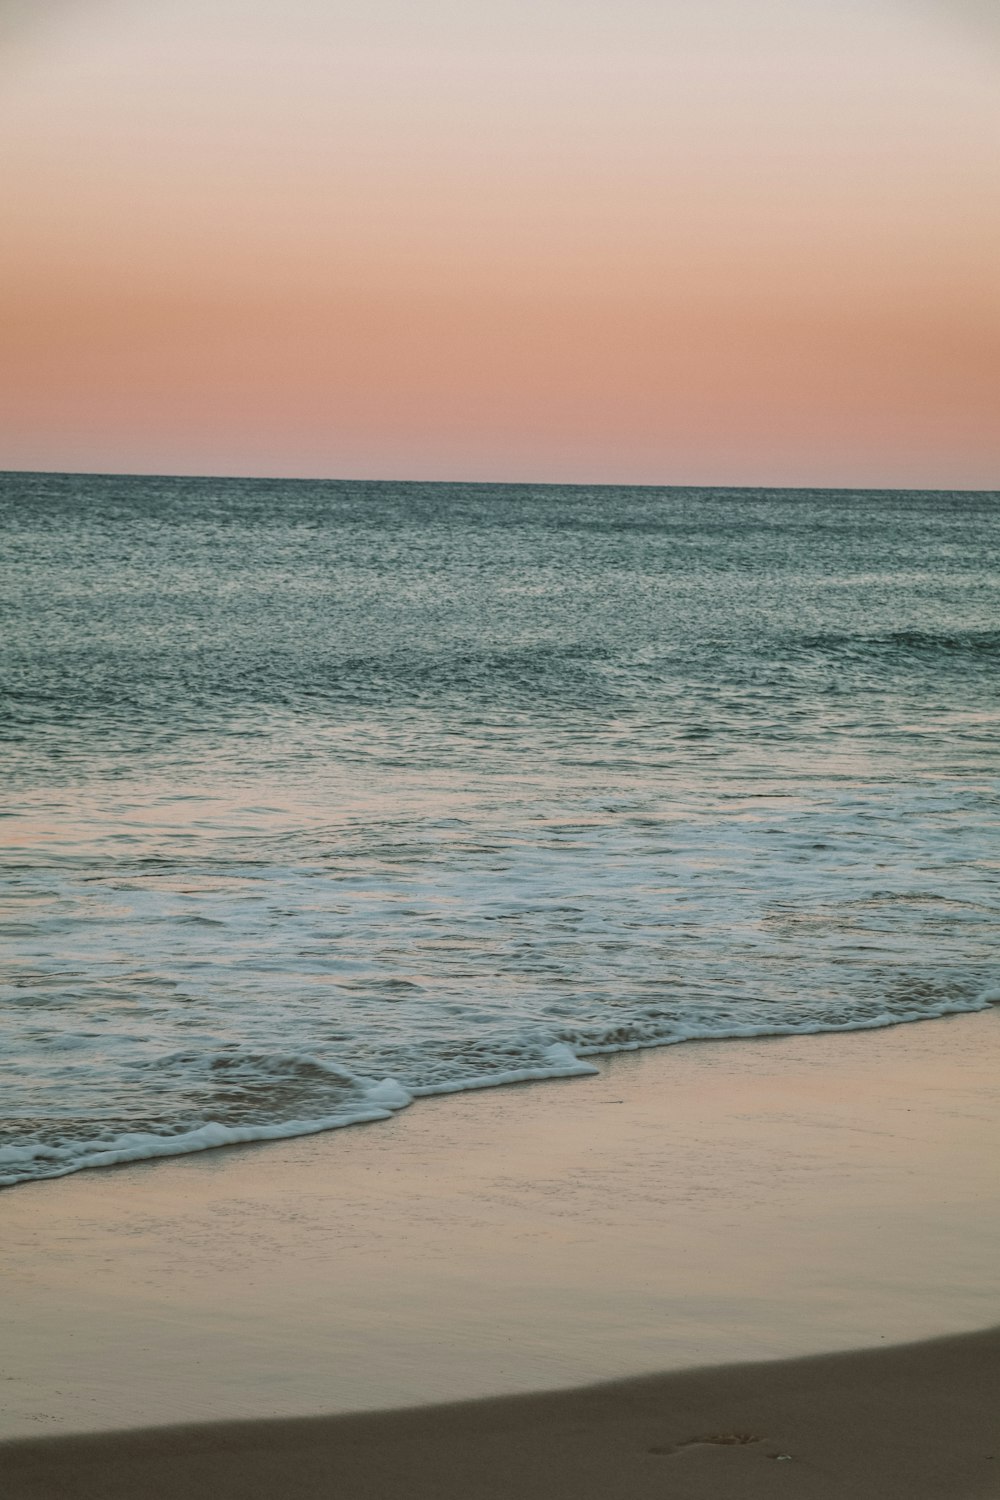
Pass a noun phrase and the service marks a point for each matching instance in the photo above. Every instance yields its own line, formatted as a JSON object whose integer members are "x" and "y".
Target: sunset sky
{"x": 651, "y": 241}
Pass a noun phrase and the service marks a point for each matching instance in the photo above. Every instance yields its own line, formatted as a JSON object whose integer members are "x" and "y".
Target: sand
{"x": 690, "y": 1207}
{"x": 905, "y": 1423}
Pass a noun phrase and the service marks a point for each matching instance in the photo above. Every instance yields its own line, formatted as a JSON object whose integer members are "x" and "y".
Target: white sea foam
{"x": 26, "y": 1163}
{"x": 381, "y": 1100}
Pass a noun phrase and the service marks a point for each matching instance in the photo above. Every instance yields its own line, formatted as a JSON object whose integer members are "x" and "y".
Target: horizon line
{"x": 548, "y": 484}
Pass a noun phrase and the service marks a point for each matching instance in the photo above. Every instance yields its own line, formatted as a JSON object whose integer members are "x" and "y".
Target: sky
{"x": 655, "y": 241}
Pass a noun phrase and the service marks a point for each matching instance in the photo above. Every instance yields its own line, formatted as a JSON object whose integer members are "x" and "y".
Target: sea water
{"x": 319, "y": 797}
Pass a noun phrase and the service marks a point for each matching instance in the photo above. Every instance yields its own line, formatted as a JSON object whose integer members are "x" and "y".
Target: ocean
{"x": 323, "y": 796}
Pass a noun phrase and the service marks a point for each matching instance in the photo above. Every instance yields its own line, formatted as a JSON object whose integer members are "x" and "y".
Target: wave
{"x": 970, "y": 643}
{"x": 374, "y": 1100}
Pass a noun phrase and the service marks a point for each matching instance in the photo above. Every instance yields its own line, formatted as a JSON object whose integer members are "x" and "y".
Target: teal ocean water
{"x": 322, "y": 796}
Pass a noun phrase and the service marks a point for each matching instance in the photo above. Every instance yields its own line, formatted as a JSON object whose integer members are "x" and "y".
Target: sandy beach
{"x": 710, "y": 1205}
{"x": 908, "y": 1423}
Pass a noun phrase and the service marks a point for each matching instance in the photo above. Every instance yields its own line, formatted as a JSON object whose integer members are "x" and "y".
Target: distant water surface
{"x": 320, "y": 796}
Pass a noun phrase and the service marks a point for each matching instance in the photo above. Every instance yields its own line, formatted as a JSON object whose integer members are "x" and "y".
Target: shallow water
{"x": 320, "y": 796}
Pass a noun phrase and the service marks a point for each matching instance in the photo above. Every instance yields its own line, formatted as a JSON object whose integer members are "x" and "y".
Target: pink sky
{"x": 664, "y": 241}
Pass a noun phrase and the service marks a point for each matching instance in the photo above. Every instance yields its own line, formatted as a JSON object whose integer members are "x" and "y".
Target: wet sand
{"x": 694, "y": 1206}
{"x": 907, "y": 1423}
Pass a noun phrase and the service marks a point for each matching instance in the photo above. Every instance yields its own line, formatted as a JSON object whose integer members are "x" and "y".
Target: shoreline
{"x": 914, "y": 1422}
{"x": 686, "y": 1207}
{"x": 386, "y": 1097}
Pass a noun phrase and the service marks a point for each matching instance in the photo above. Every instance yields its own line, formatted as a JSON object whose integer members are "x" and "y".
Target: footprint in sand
{"x": 723, "y": 1439}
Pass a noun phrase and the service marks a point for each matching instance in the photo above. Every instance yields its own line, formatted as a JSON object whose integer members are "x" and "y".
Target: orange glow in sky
{"x": 731, "y": 241}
